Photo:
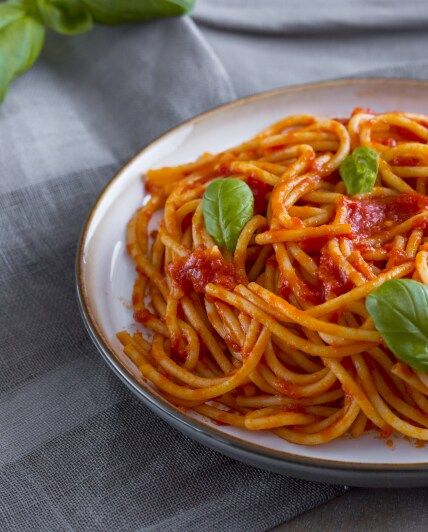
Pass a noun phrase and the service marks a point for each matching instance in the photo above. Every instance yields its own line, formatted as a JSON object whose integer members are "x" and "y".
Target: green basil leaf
{"x": 228, "y": 204}
{"x": 359, "y": 170}
{"x": 118, "y": 11}
{"x": 69, "y": 17}
{"x": 21, "y": 40}
{"x": 399, "y": 309}
{"x": 10, "y": 12}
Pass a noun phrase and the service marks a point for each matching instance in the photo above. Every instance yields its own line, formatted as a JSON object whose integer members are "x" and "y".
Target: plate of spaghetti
{"x": 258, "y": 276}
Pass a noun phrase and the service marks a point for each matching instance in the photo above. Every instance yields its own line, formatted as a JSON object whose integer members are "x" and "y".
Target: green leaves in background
{"x": 399, "y": 309}
{"x": 118, "y": 11}
{"x": 359, "y": 170}
{"x": 22, "y": 24}
{"x": 68, "y": 17}
{"x": 21, "y": 40}
{"x": 228, "y": 204}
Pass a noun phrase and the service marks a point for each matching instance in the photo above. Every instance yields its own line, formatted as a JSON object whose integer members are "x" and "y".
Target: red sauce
{"x": 178, "y": 351}
{"x": 201, "y": 267}
{"x": 143, "y": 315}
{"x": 348, "y": 364}
{"x": 406, "y": 370}
{"x": 232, "y": 344}
{"x": 313, "y": 245}
{"x": 284, "y": 288}
{"x": 313, "y": 294}
{"x": 136, "y": 299}
{"x": 333, "y": 279}
{"x": 405, "y": 133}
{"x": 272, "y": 262}
{"x": 387, "y": 141}
{"x": 180, "y": 313}
{"x": 223, "y": 169}
{"x": 151, "y": 188}
{"x": 386, "y": 432}
{"x": 296, "y": 223}
{"x": 364, "y": 247}
{"x": 397, "y": 256}
{"x": 405, "y": 161}
{"x": 260, "y": 191}
{"x": 288, "y": 388}
{"x": 369, "y": 216}
{"x": 186, "y": 221}
{"x": 219, "y": 422}
{"x": 175, "y": 342}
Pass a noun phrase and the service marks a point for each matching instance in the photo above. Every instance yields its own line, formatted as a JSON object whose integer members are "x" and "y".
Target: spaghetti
{"x": 275, "y": 335}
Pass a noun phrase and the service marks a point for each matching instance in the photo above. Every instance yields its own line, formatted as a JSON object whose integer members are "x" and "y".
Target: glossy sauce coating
{"x": 201, "y": 267}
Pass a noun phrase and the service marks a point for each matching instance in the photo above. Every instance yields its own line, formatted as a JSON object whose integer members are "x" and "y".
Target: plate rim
{"x": 328, "y": 470}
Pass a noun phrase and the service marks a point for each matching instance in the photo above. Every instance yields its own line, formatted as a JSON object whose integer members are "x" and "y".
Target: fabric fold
{"x": 311, "y": 17}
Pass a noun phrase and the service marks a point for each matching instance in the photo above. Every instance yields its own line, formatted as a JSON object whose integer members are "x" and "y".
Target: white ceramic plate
{"x": 105, "y": 277}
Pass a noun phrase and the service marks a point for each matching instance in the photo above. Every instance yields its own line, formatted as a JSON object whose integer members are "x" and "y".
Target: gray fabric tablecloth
{"x": 77, "y": 451}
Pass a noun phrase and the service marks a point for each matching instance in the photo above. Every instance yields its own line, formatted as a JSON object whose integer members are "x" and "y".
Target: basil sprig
{"x": 359, "y": 170}
{"x": 69, "y": 17}
{"x": 227, "y": 205}
{"x": 23, "y": 23}
{"x": 21, "y": 39}
{"x": 399, "y": 309}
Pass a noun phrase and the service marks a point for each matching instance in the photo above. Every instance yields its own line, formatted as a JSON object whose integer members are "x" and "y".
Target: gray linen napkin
{"x": 77, "y": 451}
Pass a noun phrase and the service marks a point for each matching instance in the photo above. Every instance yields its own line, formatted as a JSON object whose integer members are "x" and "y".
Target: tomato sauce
{"x": 288, "y": 388}
{"x": 136, "y": 299}
{"x": 405, "y": 161}
{"x": 387, "y": 141}
{"x": 284, "y": 287}
{"x": 396, "y": 256}
{"x": 333, "y": 278}
{"x": 369, "y": 216}
{"x": 348, "y": 364}
{"x": 312, "y": 294}
{"x": 178, "y": 350}
{"x": 186, "y": 221}
{"x": 260, "y": 191}
{"x": 313, "y": 245}
{"x": 143, "y": 315}
{"x": 232, "y": 344}
{"x": 201, "y": 267}
{"x": 386, "y": 432}
{"x": 405, "y": 133}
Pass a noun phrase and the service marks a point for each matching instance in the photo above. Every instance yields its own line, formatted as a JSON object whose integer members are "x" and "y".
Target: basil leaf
{"x": 69, "y": 17}
{"x": 9, "y": 13}
{"x": 359, "y": 170}
{"x": 228, "y": 204}
{"x": 118, "y": 11}
{"x": 21, "y": 40}
{"x": 399, "y": 309}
